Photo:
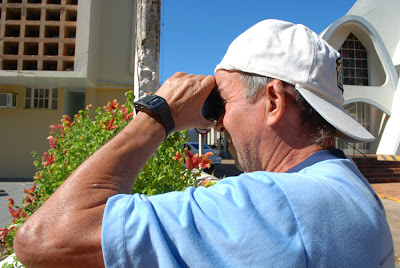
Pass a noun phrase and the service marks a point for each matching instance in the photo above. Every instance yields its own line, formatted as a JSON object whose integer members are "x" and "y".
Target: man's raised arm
{"x": 66, "y": 230}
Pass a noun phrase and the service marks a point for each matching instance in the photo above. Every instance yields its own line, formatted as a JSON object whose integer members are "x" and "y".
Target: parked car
{"x": 193, "y": 148}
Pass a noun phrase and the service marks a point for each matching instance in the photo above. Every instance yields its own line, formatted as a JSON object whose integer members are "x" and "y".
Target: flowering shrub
{"x": 72, "y": 142}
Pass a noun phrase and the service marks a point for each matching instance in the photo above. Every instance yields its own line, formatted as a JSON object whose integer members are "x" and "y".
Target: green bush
{"x": 72, "y": 142}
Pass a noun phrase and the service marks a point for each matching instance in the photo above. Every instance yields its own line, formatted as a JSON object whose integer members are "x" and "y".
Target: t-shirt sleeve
{"x": 220, "y": 226}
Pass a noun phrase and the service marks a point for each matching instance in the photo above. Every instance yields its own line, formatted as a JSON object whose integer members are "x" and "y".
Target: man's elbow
{"x": 25, "y": 246}
{"x": 40, "y": 244}
{"x": 31, "y": 246}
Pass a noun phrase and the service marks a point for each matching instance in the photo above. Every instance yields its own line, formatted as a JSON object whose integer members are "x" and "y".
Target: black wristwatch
{"x": 156, "y": 106}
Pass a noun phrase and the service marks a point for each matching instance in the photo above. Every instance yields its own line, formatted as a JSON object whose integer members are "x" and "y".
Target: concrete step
{"x": 377, "y": 163}
{"x": 381, "y": 174}
{"x": 383, "y": 180}
{"x": 379, "y": 169}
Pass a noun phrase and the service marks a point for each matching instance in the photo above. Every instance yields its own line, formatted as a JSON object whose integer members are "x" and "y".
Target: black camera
{"x": 213, "y": 106}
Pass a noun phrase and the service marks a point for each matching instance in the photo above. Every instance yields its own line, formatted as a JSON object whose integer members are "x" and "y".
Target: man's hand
{"x": 185, "y": 95}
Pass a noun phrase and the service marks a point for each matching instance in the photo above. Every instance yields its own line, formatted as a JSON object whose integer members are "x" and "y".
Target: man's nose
{"x": 220, "y": 123}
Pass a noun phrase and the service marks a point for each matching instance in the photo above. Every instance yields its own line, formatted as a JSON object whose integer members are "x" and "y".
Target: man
{"x": 301, "y": 203}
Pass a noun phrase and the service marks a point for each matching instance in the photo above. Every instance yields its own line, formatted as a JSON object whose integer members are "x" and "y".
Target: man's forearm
{"x": 115, "y": 167}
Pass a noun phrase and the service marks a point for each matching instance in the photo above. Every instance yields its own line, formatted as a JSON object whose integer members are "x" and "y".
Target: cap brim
{"x": 347, "y": 128}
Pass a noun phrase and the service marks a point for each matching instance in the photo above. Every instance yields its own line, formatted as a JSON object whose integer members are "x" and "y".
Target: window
{"x": 8, "y": 100}
{"x": 361, "y": 112}
{"x": 355, "y": 62}
{"x": 41, "y": 98}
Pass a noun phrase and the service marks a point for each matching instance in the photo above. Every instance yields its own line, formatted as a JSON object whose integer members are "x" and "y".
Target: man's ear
{"x": 275, "y": 93}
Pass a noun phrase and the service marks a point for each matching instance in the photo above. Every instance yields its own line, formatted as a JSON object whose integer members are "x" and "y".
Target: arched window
{"x": 355, "y": 62}
{"x": 355, "y": 72}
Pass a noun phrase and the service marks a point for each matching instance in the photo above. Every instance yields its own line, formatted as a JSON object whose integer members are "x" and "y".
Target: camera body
{"x": 213, "y": 106}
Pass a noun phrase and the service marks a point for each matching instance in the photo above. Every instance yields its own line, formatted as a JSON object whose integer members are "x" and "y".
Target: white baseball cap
{"x": 295, "y": 54}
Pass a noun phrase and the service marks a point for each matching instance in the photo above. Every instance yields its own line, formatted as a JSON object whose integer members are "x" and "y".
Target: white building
{"x": 368, "y": 39}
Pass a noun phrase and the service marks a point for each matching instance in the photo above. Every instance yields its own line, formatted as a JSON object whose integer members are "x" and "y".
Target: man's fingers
{"x": 209, "y": 83}
{"x": 186, "y": 94}
{"x": 178, "y": 74}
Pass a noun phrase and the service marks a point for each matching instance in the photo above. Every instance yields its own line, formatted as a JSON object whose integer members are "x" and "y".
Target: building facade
{"x": 56, "y": 57}
{"x": 368, "y": 39}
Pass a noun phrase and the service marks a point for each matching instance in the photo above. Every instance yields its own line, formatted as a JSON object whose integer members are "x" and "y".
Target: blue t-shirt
{"x": 321, "y": 213}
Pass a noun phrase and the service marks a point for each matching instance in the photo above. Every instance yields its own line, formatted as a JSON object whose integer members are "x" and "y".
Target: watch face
{"x": 155, "y": 101}
{"x": 156, "y": 106}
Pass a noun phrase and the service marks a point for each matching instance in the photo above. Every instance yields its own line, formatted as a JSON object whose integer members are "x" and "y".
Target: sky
{"x": 196, "y": 34}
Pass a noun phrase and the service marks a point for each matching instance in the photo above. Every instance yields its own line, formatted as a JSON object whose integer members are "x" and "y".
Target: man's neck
{"x": 285, "y": 157}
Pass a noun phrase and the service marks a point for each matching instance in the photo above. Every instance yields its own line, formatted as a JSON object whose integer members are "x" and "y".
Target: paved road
{"x": 392, "y": 209}
{"x": 10, "y": 189}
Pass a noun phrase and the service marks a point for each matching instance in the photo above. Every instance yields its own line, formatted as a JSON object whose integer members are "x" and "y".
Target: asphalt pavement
{"x": 11, "y": 188}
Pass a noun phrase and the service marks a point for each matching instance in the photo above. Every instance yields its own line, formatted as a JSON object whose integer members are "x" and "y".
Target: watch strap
{"x": 167, "y": 120}
{"x": 158, "y": 107}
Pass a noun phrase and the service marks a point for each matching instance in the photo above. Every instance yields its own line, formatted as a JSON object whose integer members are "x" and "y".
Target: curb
{"x": 389, "y": 198}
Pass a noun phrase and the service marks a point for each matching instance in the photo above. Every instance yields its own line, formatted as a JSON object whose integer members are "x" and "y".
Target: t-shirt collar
{"x": 318, "y": 157}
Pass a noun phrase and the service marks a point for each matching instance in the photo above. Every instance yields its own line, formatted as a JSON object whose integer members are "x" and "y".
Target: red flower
{"x": 205, "y": 162}
{"x": 188, "y": 164}
{"x": 110, "y": 124}
{"x": 178, "y": 156}
{"x": 66, "y": 121}
{"x": 30, "y": 197}
{"x": 52, "y": 142}
{"x": 188, "y": 153}
{"x": 38, "y": 175}
{"x": 111, "y": 106}
{"x": 10, "y": 202}
{"x": 28, "y": 200}
{"x": 125, "y": 112}
{"x": 48, "y": 159}
{"x": 53, "y": 129}
{"x": 3, "y": 234}
{"x": 31, "y": 190}
{"x": 209, "y": 154}
{"x": 17, "y": 214}
{"x": 196, "y": 160}
{"x": 126, "y": 115}
{"x": 207, "y": 183}
{"x": 56, "y": 127}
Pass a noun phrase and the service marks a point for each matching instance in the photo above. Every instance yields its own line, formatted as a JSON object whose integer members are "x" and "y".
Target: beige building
{"x": 56, "y": 57}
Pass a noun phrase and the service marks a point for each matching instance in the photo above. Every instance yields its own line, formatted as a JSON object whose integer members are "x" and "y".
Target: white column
{"x": 390, "y": 141}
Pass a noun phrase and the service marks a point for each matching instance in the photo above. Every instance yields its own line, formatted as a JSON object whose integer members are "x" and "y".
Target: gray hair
{"x": 323, "y": 132}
